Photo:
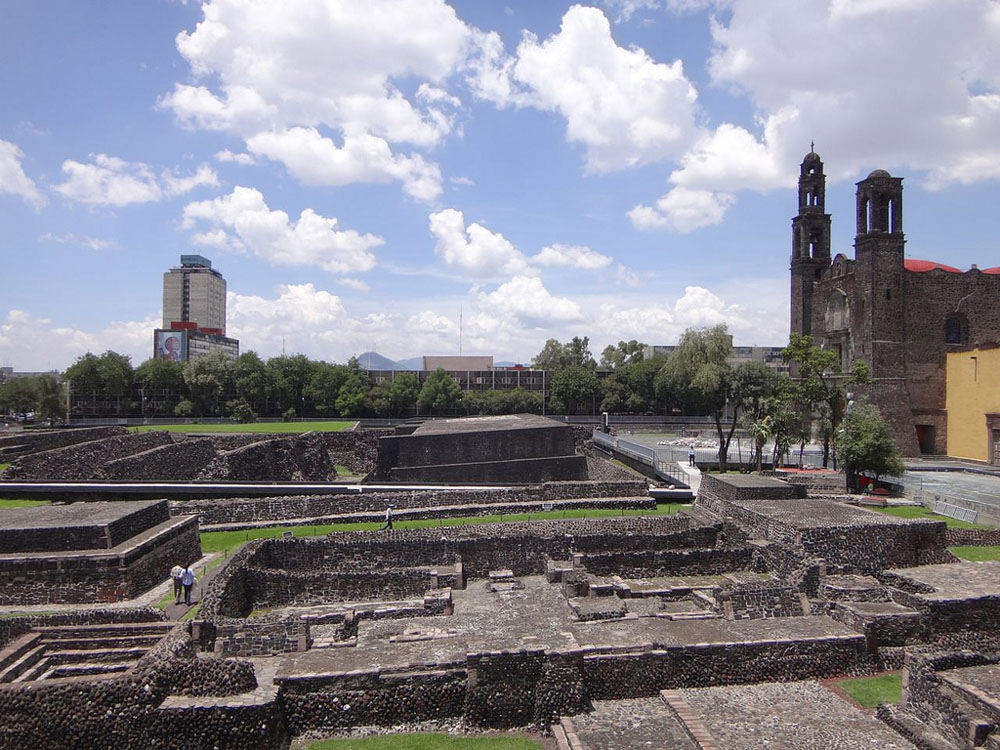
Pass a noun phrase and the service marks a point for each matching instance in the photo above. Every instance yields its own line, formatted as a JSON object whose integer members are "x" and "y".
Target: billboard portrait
{"x": 171, "y": 346}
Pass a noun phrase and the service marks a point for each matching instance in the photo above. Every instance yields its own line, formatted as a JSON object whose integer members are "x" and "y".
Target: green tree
{"x": 290, "y": 376}
{"x": 555, "y": 356}
{"x": 208, "y": 379}
{"x": 821, "y": 384}
{"x": 864, "y": 444}
{"x": 115, "y": 371}
{"x": 573, "y": 390}
{"x": 51, "y": 398}
{"x": 162, "y": 385}
{"x": 699, "y": 376}
{"x": 252, "y": 380}
{"x": 19, "y": 395}
{"x": 84, "y": 374}
{"x": 352, "y": 400}
{"x": 621, "y": 354}
{"x": 324, "y": 386}
{"x": 240, "y": 411}
{"x": 403, "y": 392}
{"x": 439, "y": 392}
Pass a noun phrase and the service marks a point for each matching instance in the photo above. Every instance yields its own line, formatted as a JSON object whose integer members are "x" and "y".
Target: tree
{"x": 208, "y": 379}
{"x": 162, "y": 384}
{"x": 324, "y": 386}
{"x": 574, "y": 353}
{"x": 19, "y": 395}
{"x": 821, "y": 384}
{"x": 403, "y": 392}
{"x": 439, "y": 392}
{"x": 290, "y": 375}
{"x": 241, "y": 411}
{"x": 573, "y": 390}
{"x": 116, "y": 374}
{"x": 864, "y": 444}
{"x": 621, "y": 354}
{"x": 51, "y": 401}
{"x": 352, "y": 400}
{"x": 252, "y": 380}
{"x": 84, "y": 374}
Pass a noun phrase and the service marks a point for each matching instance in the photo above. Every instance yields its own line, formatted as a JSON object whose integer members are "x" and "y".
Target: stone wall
{"x": 972, "y": 537}
{"x": 748, "y": 600}
{"x": 102, "y": 576}
{"x": 176, "y": 461}
{"x": 355, "y": 450}
{"x": 84, "y": 460}
{"x": 257, "y": 509}
{"x": 279, "y": 588}
{"x": 18, "y": 625}
{"x": 680, "y": 562}
{"x": 301, "y": 458}
{"x": 34, "y": 441}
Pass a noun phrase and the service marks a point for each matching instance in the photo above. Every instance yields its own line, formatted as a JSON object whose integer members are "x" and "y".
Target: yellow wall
{"x": 973, "y": 390}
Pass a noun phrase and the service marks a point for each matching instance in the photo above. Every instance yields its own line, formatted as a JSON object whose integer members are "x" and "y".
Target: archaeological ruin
{"x": 719, "y": 626}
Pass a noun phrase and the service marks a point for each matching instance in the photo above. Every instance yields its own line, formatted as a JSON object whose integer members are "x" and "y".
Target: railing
{"x": 665, "y": 470}
{"x": 953, "y": 511}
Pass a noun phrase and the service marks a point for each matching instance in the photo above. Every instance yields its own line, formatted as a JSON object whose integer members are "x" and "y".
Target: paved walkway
{"x": 693, "y": 474}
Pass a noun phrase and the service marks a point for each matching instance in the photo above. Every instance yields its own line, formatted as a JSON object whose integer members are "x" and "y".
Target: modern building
{"x": 899, "y": 315}
{"x": 452, "y": 362}
{"x": 194, "y": 313}
{"x": 769, "y": 355}
{"x": 194, "y": 292}
{"x": 973, "y": 404}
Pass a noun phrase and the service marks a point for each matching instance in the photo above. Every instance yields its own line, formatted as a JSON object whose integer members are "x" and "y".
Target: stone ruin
{"x": 706, "y": 629}
{"x": 91, "y": 552}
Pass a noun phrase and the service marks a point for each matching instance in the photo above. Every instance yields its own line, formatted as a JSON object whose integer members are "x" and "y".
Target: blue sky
{"x": 361, "y": 172}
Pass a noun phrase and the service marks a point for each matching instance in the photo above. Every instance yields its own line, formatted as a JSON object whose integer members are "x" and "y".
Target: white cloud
{"x": 462, "y": 181}
{"x": 242, "y": 221}
{"x": 31, "y": 342}
{"x": 890, "y": 83}
{"x": 330, "y": 64}
{"x": 110, "y": 181}
{"x": 356, "y": 284}
{"x": 683, "y": 210}
{"x": 627, "y": 277}
{"x": 574, "y": 256}
{"x": 625, "y": 9}
{"x": 227, "y": 156}
{"x": 625, "y": 108}
{"x": 316, "y": 160}
{"x": 526, "y": 300}
{"x": 13, "y": 180}
{"x": 474, "y": 250}
{"x": 69, "y": 238}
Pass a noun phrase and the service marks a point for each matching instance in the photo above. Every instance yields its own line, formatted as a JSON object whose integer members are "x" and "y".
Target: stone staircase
{"x": 76, "y": 650}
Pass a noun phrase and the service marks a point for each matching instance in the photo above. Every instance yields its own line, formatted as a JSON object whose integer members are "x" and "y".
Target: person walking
{"x": 187, "y": 580}
{"x": 387, "y": 526}
{"x": 175, "y": 576}
{"x": 691, "y": 456}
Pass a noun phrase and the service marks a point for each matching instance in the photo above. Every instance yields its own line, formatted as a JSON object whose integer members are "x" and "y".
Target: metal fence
{"x": 666, "y": 470}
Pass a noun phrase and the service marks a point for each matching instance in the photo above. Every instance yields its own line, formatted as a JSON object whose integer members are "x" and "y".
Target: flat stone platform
{"x": 630, "y": 724}
{"x": 811, "y": 514}
{"x": 950, "y": 581}
{"x": 538, "y": 616}
{"x": 78, "y": 526}
{"x": 786, "y": 716}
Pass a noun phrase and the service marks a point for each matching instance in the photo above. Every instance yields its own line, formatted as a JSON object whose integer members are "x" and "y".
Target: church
{"x": 900, "y": 315}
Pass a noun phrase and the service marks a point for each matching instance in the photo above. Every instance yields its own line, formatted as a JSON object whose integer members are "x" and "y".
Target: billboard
{"x": 170, "y": 345}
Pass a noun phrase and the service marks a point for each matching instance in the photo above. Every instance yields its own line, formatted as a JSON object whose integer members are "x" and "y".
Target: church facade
{"x": 900, "y": 315}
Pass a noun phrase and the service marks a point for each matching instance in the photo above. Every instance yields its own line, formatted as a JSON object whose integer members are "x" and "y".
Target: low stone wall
{"x": 175, "y": 461}
{"x": 972, "y": 537}
{"x": 257, "y": 509}
{"x": 121, "y": 711}
{"x": 681, "y": 562}
{"x": 280, "y": 588}
{"x": 356, "y": 450}
{"x": 14, "y": 627}
{"x": 101, "y": 576}
{"x": 84, "y": 460}
{"x": 33, "y": 441}
{"x": 300, "y": 458}
{"x": 757, "y": 600}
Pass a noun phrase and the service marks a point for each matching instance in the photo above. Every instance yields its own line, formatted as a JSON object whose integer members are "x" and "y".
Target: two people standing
{"x": 183, "y": 579}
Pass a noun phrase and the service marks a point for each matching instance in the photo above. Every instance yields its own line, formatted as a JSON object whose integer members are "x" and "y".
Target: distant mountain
{"x": 413, "y": 363}
{"x": 375, "y": 361}
{"x": 506, "y": 364}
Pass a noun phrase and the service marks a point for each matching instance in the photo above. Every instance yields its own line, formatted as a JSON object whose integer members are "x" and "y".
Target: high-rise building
{"x": 194, "y": 292}
{"x": 194, "y": 313}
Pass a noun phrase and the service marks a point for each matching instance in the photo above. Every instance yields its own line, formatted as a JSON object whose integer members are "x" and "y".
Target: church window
{"x": 956, "y": 329}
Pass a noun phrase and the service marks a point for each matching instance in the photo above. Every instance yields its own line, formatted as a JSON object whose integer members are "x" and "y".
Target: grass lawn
{"x": 976, "y": 554}
{"x": 3, "y": 467}
{"x": 427, "y": 742}
{"x": 919, "y": 511}
{"x": 332, "y": 426}
{"x": 19, "y": 503}
{"x": 230, "y": 541}
{"x": 870, "y": 691}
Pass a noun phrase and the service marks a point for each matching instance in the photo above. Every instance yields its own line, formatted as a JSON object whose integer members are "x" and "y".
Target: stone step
{"x": 52, "y": 632}
{"x": 114, "y": 641}
{"x": 35, "y": 671}
{"x": 76, "y": 656}
{"x": 17, "y": 648}
{"x": 86, "y": 669}
{"x": 25, "y": 661}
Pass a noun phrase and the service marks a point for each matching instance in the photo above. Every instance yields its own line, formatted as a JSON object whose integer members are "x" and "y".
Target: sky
{"x": 421, "y": 177}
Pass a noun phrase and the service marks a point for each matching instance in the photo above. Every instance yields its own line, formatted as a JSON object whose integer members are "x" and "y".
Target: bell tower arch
{"x": 810, "y": 241}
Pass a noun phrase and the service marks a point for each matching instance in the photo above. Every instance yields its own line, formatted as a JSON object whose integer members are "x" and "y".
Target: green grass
{"x": 871, "y": 691}
{"x": 229, "y": 541}
{"x": 343, "y": 472}
{"x": 332, "y": 426}
{"x": 191, "y": 613}
{"x": 919, "y": 511}
{"x": 21, "y": 503}
{"x": 3, "y": 467}
{"x": 976, "y": 554}
{"x": 427, "y": 742}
